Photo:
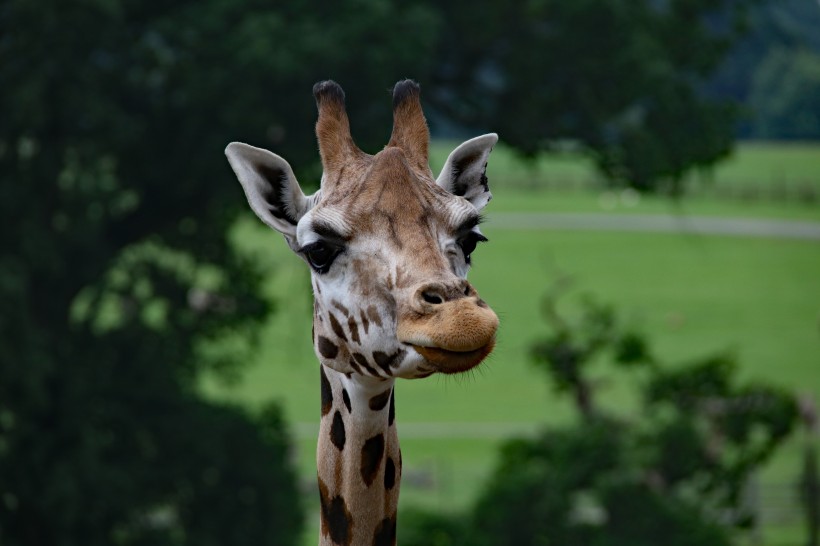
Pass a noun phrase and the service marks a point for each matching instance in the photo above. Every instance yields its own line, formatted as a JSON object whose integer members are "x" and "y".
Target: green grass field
{"x": 759, "y": 298}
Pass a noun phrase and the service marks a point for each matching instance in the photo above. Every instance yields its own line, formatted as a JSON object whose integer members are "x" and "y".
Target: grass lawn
{"x": 626, "y": 202}
{"x": 784, "y": 166}
{"x": 567, "y": 183}
{"x": 759, "y": 298}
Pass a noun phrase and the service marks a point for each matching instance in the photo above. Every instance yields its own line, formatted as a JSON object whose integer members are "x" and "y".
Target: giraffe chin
{"x": 451, "y": 362}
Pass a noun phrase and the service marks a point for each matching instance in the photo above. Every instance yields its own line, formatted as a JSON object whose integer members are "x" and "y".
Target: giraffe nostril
{"x": 431, "y": 297}
{"x": 467, "y": 290}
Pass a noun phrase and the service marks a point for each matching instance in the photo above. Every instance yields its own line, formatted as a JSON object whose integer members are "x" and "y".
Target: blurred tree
{"x": 777, "y": 30}
{"x": 619, "y": 79}
{"x": 115, "y": 262}
{"x": 786, "y": 95}
{"x": 115, "y": 266}
{"x": 809, "y": 483}
{"x": 673, "y": 471}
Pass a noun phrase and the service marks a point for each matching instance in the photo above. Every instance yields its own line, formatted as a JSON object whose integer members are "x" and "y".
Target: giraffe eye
{"x": 469, "y": 242}
{"x": 320, "y": 255}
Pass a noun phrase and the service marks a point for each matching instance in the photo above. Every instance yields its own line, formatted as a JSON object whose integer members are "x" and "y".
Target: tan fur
{"x": 339, "y": 472}
{"x": 336, "y": 145}
{"x": 392, "y": 304}
{"x": 390, "y": 197}
{"x": 410, "y": 132}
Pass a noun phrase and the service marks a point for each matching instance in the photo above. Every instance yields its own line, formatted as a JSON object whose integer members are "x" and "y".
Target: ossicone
{"x": 336, "y": 146}
{"x": 410, "y": 132}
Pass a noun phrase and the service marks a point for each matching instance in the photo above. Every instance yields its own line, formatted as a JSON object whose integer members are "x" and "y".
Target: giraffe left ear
{"x": 465, "y": 172}
{"x": 270, "y": 187}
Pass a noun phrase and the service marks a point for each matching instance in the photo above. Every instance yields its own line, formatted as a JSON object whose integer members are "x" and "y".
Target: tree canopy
{"x": 772, "y": 71}
{"x": 116, "y": 272}
{"x": 618, "y": 79}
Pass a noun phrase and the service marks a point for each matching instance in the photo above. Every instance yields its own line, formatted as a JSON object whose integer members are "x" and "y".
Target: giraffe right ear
{"x": 270, "y": 187}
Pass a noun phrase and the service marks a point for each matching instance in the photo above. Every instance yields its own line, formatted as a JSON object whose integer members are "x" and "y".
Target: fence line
{"x": 803, "y": 191}
{"x": 659, "y": 223}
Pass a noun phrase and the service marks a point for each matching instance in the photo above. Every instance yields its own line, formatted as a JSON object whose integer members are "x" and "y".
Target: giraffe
{"x": 389, "y": 249}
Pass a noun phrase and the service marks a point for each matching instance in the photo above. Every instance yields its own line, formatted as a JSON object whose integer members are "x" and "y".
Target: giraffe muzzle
{"x": 453, "y": 336}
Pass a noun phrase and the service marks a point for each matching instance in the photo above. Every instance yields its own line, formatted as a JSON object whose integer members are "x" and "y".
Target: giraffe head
{"x": 388, "y": 244}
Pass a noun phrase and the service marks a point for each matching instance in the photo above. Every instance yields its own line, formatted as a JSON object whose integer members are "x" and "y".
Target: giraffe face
{"x": 388, "y": 246}
{"x": 389, "y": 262}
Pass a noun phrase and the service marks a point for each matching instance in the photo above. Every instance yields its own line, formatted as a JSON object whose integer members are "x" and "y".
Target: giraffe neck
{"x": 358, "y": 460}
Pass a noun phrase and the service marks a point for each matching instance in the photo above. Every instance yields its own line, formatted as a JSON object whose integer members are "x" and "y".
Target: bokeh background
{"x": 654, "y": 259}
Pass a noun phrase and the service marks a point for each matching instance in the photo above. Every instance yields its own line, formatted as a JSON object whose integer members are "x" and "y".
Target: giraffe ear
{"x": 464, "y": 173}
{"x": 270, "y": 187}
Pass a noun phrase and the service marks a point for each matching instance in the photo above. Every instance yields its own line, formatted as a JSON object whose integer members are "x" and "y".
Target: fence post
{"x": 810, "y": 477}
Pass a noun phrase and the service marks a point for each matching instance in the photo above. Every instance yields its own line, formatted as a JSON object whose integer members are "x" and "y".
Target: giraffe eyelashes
{"x": 469, "y": 242}
{"x": 320, "y": 255}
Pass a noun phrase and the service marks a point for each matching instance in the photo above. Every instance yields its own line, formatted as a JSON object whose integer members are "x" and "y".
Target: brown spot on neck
{"x": 337, "y": 522}
{"x": 385, "y": 534}
{"x": 327, "y": 393}
{"x": 372, "y": 454}
{"x": 378, "y": 402}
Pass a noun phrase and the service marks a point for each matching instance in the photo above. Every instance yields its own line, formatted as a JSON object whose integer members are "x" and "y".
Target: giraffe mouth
{"x": 449, "y": 362}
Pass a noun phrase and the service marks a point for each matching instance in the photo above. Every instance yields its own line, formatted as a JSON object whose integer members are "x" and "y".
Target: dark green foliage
{"x": 117, "y": 281}
{"x": 620, "y": 79}
{"x": 118, "y": 285}
{"x": 641, "y": 515}
{"x": 810, "y": 493}
{"x": 786, "y": 95}
{"x": 420, "y": 528}
{"x": 117, "y": 276}
{"x": 809, "y": 484}
{"x": 772, "y": 71}
{"x": 673, "y": 472}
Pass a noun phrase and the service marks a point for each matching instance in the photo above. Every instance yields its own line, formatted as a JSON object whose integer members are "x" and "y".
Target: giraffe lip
{"x": 447, "y": 361}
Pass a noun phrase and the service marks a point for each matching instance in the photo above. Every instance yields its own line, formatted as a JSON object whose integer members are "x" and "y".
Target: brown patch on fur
{"x": 338, "y": 435}
{"x": 365, "y": 322}
{"x": 363, "y": 279}
{"x": 355, "y": 367}
{"x": 327, "y": 393}
{"x": 341, "y": 308}
{"x": 386, "y": 361}
{"x": 385, "y": 534}
{"x": 337, "y": 522}
{"x": 389, "y": 474}
{"x": 327, "y": 348}
{"x": 372, "y": 454}
{"x": 361, "y": 360}
{"x": 373, "y": 315}
{"x": 354, "y": 329}
{"x": 337, "y": 328}
{"x": 378, "y": 402}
